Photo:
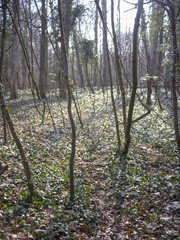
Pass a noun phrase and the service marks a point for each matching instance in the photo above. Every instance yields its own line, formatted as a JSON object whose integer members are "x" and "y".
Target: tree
{"x": 170, "y": 8}
{"x": 14, "y": 57}
{"x": 135, "y": 77}
{"x": 105, "y": 51}
{"x": 148, "y": 59}
{"x": 110, "y": 74}
{"x": 43, "y": 53}
{"x": 76, "y": 46}
{"x": 96, "y": 80}
{"x": 64, "y": 45}
{"x": 5, "y": 111}
{"x": 77, "y": 12}
{"x": 87, "y": 54}
{"x": 118, "y": 67}
{"x": 156, "y": 41}
{"x": 67, "y": 23}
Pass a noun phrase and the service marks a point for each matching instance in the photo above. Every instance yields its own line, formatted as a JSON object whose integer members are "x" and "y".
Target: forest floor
{"x": 141, "y": 201}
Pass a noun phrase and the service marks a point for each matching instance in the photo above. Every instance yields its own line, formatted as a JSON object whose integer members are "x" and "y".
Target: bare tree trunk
{"x": 66, "y": 78}
{"x": 170, "y": 9}
{"x": 156, "y": 56}
{"x": 66, "y": 18}
{"x": 105, "y": 56}
{"x": 78, "y": 61}
{"x": 6, "y": 113}
{"x": 78, "y": 111}
{"x": 110, "y": 76}
{"x": 14, "y": 57}
{"x": 118, "y": 67}
{"x": 87, "y": 77}
{"x": 175, "y": 72}
{"x": 2, "y": 47}
{"x": 4, "y": 126}
{"x": 148, "y": 61}
{"x": 31, "y": 43}
{"x": 135, "y": 77}
{"x": 43, "y": 54}
{"x": 19, "y": 146}
{"x": 96, "y": 80}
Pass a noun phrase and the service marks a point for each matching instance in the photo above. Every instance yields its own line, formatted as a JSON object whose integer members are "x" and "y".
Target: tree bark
{"x": 135, "y": 77}
{"x": 96, "y": 79}
{"x": 6, "y": 113}
{"x": 174, "y": 74}
{"x": 14, "y": 57}
{"x": 105, "y": 55}
{"x": 66, "y": 18}
{"x": 43, "y": 54}
{"x": 78, "y": 61}
{"x": 170, "y": 9}
{"x": 148, "y": 61}
{"x": 118, "y": 67}
{"x": 2, "y": 47}
{"x": 64, "y": 46}
{"x": 110, "y": 76}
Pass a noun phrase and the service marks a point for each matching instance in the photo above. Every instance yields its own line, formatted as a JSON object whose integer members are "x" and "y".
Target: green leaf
{"x": 53, "y": 74}
{"x": 22, "y": 223}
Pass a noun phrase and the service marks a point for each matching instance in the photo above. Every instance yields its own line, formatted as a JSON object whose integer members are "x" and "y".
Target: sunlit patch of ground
{"x": 141, "y": 202}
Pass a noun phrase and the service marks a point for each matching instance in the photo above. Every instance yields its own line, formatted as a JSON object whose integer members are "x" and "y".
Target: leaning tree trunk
{"x": 18, "y": 144}
{"x": 6, "y": 113}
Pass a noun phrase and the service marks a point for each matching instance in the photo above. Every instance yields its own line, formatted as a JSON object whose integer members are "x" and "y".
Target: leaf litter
{"x": 141, "y": 201}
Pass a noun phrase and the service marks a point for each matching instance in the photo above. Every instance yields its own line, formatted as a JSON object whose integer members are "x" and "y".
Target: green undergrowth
{"x": 138, "y": 199}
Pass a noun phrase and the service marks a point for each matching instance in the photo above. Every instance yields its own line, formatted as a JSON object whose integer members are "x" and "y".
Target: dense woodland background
{"x": 90, "y": 140}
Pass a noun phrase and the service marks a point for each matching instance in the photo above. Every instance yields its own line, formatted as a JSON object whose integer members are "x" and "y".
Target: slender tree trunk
{"x": 156, "y": 56}
{"x": 110, "y": 76}
{"x": 118, "y": 67}
{"x": 2, "y": 47}
{"x": 4, "y": 126}
{"x": 148, "y": 61}
{"x": 78, "y": 61}
{"x": 96, "y": 80}
{"x": 19, "y": 146}
{"x": 66, "y": 78}
{"x": 87, "y": 77}
{"x": 31, "y": 43}
{"x": 105, "y": 56}
{"x": 43, "y": 54}
{"x": 14, "y": 57}
{"x": 66, "y": 18}
{"x": 135, "y": 77}
{"x": 78, "y": 111}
